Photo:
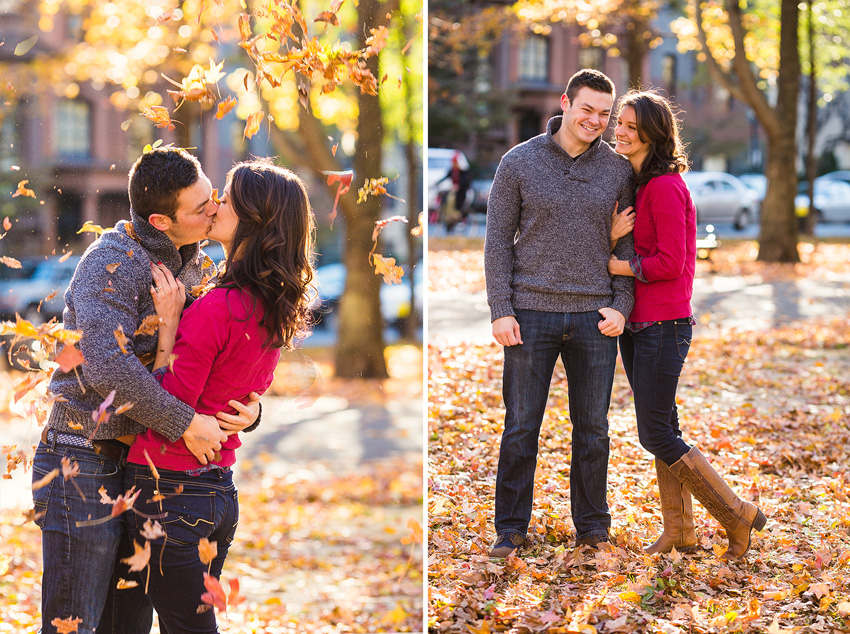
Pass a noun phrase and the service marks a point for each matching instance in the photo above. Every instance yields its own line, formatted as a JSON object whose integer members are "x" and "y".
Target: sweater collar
{"x": 553, "y": 126}
{"x": 159, "y": 246}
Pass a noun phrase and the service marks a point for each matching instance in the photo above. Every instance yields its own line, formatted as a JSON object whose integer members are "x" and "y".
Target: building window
{"x": 668, "y": 74}
{"x": 72, "y": 137}
{"x": 534, "y": 59}
{"x": 590, "y": 57}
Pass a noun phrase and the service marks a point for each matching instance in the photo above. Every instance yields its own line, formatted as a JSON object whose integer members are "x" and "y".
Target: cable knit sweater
{"x": 549, "y": 225}
{"x": 98, "y": 302}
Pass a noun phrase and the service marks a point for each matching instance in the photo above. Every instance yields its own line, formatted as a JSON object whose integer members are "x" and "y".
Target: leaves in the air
{"x": 101, "y": 414}
{"x": 207, "y": 550}
{"x": 88, "y": 225}
{"x": 66, "y": 626}
{"x": 69, "y": 358}
{"x": 215, "y": 593}
{"x": 23, "y": 190}
{"x": 252, "y": 124}
{"x": 388, "y": 268}
{"x": 139, "y": 560}
{"x": 224, "y": 107}
{"x": 149, "y": 325}
{"x": 159, "y": 115}
{"x": 111, "y": 268}
{"x": 121, "y": 338}
{"x": 47, "y": 479}
{"x": 152, "y": 530}
{"x": 344, "y": 179}
{"x": 11, "y": 262}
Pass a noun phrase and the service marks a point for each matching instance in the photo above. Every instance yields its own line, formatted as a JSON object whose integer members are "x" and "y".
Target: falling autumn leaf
{"x": 101, "y": 415}
{"x": 125, "y": 584}
{"x": 387, "y": 267}
{"x": 111, "y": 268}
{"x": 23, "y": 190}
{"x": 152, "y": 530}
{"x": 47, "y": 479}
{"x": 69, "y": 358}
{"x": 140, "y": 559}
{"x": 252, "y": 124}
{"x": 344, "y": 179}
{"x": 121, "y": 338}
{"x": 88, "y": 225}
{"x": 12, "y": 263}
{"x": 207, "y": 550}
{"x": 66, "y": 626}
{"x": 7, "y": 224}
{"x": 149, "y": 325}
{"x": 215, "y": 593}
{"x": 160, "y": 116}
{"x": 124, "y": 503}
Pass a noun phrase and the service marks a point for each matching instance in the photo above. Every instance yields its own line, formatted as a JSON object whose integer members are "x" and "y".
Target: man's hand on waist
{"x": 203, "y": 437}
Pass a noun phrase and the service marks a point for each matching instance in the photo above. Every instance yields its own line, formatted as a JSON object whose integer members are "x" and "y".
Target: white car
{"x": 395, "y": 298}
{"x": 28, "y": 296}
{"x": 832, "y": 200}
{"x": 720, "y": 197}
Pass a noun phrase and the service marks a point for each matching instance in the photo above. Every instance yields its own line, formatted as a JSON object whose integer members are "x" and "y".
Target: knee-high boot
{"x": 738, "y": 517}
{"x": 677, "y": 512}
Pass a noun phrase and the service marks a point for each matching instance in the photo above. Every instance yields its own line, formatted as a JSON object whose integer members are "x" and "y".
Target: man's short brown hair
{"x": 157, "y": 179}
{"x": 589, "y": 78}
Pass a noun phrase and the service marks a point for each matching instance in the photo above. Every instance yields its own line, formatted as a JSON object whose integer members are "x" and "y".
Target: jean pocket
{"x": 683, "y": 340}
{"x": 188, "y": 516}
{"x": 41, "y": 495}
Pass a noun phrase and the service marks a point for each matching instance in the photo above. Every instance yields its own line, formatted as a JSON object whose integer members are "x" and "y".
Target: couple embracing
{"x": 566, "y": 278}
{"x": 193, "y": 385}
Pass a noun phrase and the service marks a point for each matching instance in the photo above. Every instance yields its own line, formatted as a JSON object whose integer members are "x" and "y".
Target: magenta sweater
{"x": 220, "y": 356}
{"x": 665, "y": 242}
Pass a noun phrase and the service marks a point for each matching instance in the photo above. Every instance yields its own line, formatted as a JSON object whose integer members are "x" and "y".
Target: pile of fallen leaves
{"x": 336, "y": 553}
{"x": 771, "y": 411}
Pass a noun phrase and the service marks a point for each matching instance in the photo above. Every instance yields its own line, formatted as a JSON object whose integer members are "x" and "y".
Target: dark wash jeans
{"x": 589, "y": 358}
{"x": 206, "y": 507}
{"x": 79, "y": 561}
{"x": 653, "y": 358}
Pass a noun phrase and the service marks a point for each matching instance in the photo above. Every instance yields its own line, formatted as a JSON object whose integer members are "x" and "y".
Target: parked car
{"x": 480, "y": 193}
{"x": 840, "y": 175}
{"x": 757, "y": 183}
{"x": 720, "y": 197}
{"x": 27, "y": 296}
{"x": 439, "y": 164}
{"x": 395, "y": 298}
{"x": 832, "y": 200}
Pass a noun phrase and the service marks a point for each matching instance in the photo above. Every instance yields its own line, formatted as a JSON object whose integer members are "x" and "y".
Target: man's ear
{"x": 160, "y": 221}
{"x": 565, "y": 102}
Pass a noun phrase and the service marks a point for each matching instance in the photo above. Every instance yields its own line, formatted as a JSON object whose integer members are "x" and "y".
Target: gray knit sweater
{"x": 549, "y": 225}
{"x": 97, "y": 302}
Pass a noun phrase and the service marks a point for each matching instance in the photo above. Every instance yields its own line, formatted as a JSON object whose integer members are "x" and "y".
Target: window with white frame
{"x": 534, "y": 58}
{"x": 72, "y": 132}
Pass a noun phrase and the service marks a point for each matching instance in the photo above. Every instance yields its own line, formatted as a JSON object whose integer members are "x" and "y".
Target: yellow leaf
{"x": 252, "y": 124}
{"x": 630, "y": 596}
{"x": 90, "y": 226}
{"x": 23, "y": 190}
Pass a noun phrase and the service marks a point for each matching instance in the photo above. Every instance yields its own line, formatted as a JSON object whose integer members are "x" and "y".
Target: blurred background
{"x": 762, "y": 93}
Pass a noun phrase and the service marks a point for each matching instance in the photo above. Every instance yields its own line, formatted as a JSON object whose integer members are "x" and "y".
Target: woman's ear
{"x": 160, "y": 221}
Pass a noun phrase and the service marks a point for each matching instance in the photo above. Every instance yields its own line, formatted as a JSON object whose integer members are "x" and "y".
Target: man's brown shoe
{"x": 593, "y": 541}
{"x": 506, "y": 544}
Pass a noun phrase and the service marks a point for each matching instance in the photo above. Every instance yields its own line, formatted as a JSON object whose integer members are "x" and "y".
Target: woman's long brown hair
{"x": 658, "y": 126}
{"x": 271, "y": 255}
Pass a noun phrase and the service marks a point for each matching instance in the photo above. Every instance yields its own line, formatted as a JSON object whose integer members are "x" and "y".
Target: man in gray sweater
{"x": 546, "y": 265}
{"x": 108, "y": 299}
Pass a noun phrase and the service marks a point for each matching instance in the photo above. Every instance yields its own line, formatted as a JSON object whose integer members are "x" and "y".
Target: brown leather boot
{"x": 677, "y": 512}
{"x": 734, "y": 514}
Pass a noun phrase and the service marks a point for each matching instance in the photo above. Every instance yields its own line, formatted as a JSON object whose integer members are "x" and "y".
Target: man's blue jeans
{"x": 589, "y": 358}
{"x": 653, "y": 358}
{"x": 79, "y": 560}
{"x": 206, "y": 506}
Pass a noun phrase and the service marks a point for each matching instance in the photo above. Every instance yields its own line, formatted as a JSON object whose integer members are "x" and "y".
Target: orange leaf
{"x": 160, "y": 116}
{"x": 141, "y": 557}
{"x": 123, "y": 408}
{"x": 252, "y": 124}
{"x": 121, "y": 338}
{"x": 29, "y": 382}
{"x": 23, "y": 191}
{"x": 12, "y": 263}
{"x": 387, "y": 267}
{"x": 149, "y": 325}
{"x": 207, "y": 550}
{"x": 45, "y": 480}
{"x": 110, "y": 268}
{"x": 234, "y": 598}
{"x": 154, "y": 472}
{"x": 125, "y": 503}
{"x": 415, "y": 536}
{"x": 88, "y": 225}
{"x": 69, "y": 358}
{"x": 7, "y": 224}
{"x": 215, "y": 593}
{"x": 66, "y": 626}
{"x": 344, "y": 179}
{"x": 74, "y": 426}
{"x": 70, "y": 469}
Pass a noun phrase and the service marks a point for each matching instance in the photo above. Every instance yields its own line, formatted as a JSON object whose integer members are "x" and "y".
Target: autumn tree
{"x": 624, "y": 27}
{"x": 738, "y": 45}
{"x": 309, "y": 84}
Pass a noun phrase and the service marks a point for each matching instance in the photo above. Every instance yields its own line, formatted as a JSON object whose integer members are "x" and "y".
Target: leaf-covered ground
{"x": 771, "y": 411}
{"x": 321, "y": 550}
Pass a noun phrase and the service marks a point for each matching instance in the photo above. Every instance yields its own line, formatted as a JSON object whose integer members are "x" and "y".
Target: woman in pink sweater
{"x": 658, "y": 331}
{"x": 227, "y": 345}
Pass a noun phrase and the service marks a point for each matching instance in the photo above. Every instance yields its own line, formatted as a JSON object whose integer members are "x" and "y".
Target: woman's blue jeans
{"x": 205, "y": 507}
{"x": 653, "y": 358}
{"x": 589, "y": 358}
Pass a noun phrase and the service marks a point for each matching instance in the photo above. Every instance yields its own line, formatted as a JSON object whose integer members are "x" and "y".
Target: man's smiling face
{"x": 585, "y": 117}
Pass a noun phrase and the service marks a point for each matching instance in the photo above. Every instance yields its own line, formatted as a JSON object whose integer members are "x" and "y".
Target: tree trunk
{"x": 778, "y": 235}
{"x": 636, "y": 49}
{"x": 360, "y": 342}
{"x": 808, "y": 224}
